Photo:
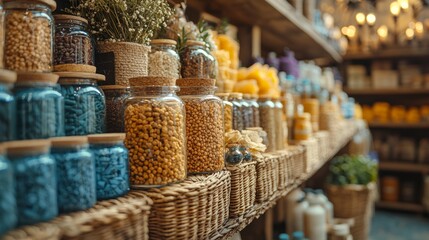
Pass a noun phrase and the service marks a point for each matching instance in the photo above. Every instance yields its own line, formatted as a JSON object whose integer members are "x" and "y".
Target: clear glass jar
{"x": 39, "y": 106}
{"x": 237, "y": 112}
{"x": 155, "y": 136}
{"x": 75, "y": 173}
{"x": 73, "y": 42}
{"x": 233, "y": 156}
{"x": 164, "y": 61}
{"x": 253, "y": 101}
{"x": 111, "y": 165}
{"x": 29, "y": 28}
{"x": 204, "y": 126}
{"x": 8, "y": 211}
{"x": 289, "y": 111}
{"x": 280, "y": 125}
{"x": 84, "y": 103}
{"x": 303, "y": 128}
{"x": 35, "y": 180}
{"x": 267, "y": 114}
{"x": 1, "y": 36}
{"x": 7, "y": 106}
{"x": 227, "y": 114}
{"x": 246, "y": 112}
{"x": 197, "y": 62}
{"x": 115, "y": 97}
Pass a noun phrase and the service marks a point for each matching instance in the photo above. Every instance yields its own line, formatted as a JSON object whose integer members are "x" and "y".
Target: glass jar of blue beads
{"x": 8, "y": 217}
{"x": 7, "y": 106}
{"x": 84, "y": 103}
{"x": 111, "y": 164}
{"x": 75, "y": 173}
{"x": 35, "y": 180}
{"x": 39, "y": 106}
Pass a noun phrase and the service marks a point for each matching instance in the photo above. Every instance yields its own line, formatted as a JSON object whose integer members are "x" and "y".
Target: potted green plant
{"x": 124, "y": 28}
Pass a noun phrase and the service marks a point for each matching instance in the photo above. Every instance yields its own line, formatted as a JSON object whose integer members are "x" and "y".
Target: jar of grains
{"x": 227, "y": 113}
{"x": 247, "y": 112}
{"x": 8, "y": 217}
{"x": 267, "y": 114}
{"x": 35, "y": 180}
{"x": 29, "y": 28}
{"x": 7, "y": 106}
{"x": 303, "y": 128}
{"x": 155, "y": 133}
{"x": 164, "y": 61}
{"x": 289, "y": 111}
{"x": 84, "y": 103}
{"x": 39, "y": 106}
{"x": 73, "y": 42}
{"x": 281, "y": 126}
{"x": 115, "y": 97}
{"x": 237, "y": 112}
{"x": 197, "y": 62}
{"x": 253, "y": 101}
{"x": 204, "y": 125}
{"x": 111, "y": 165}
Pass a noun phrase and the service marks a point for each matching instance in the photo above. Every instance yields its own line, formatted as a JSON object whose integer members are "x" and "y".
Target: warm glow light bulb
{"x": 419, "y": 27}
{"x": 360, "y": 18}
{"x": 351, "y": 31}
{"x": 344, "y": 30}
{"x": 404, "y": 4}
{"x": 382, "y": 31}
{"x": 409, "y": 33}
{"x": 395, "y": 9}
{"x": 370, "y": 19}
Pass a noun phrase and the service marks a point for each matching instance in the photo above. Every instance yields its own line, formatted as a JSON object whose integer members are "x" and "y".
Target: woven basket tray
{"x": 243, "y": 188}
{"x": 323, "y": 143}
{"x": 43, "y": 231}
{"x": 285, "y": 169}
{"x": 267, "y": 177}
{"x": 297, "y": 161}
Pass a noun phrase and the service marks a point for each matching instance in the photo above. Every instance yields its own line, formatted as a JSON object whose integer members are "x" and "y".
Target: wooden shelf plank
{"x": 404, "y": 167}
{"x": 400, "y": 125}
{"x": 392, "y": 91}
{"x": 411, "y": 207}
{"x": 399, "y": 53}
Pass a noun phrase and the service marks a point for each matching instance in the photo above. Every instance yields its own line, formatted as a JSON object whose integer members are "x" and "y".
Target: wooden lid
{"x": 265, "y": 97}
{"x": 7, "y": 76}
{"x": 72, "y": 67}
{"x": 50, "y": 3}
{"x": 163, "y": 41}
{"x": 152, "y": 81}
{"x": 106, "y": 138}
{"x": 195, "y": 43}
{"x": 69, "y": 17}
{"x": 27, "y": 147}
{"x": 223, "y": 95}
{"x": 113, "y": 87}
{"x": 29, "y": 77}
{"x": 195, "y": 82}
{"x": 236, "y": 95}
{"x": 84, "y": 75}
{"x": 73, "y": 141}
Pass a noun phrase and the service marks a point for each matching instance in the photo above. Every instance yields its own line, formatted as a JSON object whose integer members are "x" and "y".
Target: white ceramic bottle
{"x": 315, "y": 221}
{"x": 291, "y": 204}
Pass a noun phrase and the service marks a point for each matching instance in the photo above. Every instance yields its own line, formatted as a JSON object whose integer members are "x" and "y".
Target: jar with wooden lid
{"x": 75, "y": 173}
{"x": 164, "y": 61}
{"x": 115, "y": 96}
{"x": 73, "y": 41}
{"x": 29, "y": 29}
{"x": 39, "y": 106}
{"x": 281, "y": 126}
{"x": 84, "y": 103}
{"x": 155, "y": 133}
{"x": 227, "y": 113}
{"x": 204, "y": 125}
{"x": 237, "y": 111}
{"x": 303, "y": 129}
{"x": 253, "y": 101}
{"x": 7, "y": 106}
{"x": 267, "y": 116}
{"x": 8, "y": 211}
{"x": 35, "y": 180}
{"x": 197, "y": 62}
{"x": 246, "y": 112}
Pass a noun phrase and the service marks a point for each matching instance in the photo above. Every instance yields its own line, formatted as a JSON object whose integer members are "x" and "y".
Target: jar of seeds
{"x": 155, "y": 133}
{"x": 73, "y": 42}
{"x": 253, "y": 101}
{"x": 111, "y": 165}
{"x": 75, "y": 173}
{"x": 227, "y": 113}
{"x": 84, "y": 103}
{"x": 8, "y": 215}
{"x": 237, "y": 112}
{"x": 197, "y": 62}
{"x": 115, "y": 97}
{"x": 267, "y": 114}
{"x": 247, "y": 112}
{"x": 164, "y": 61}
{"x": 280, "y": 125}
{"x": 7, "y": 106}
{"x": 35, "y": 180}
{"x": 29, "y": 28}
{"x": 39, "y": 106}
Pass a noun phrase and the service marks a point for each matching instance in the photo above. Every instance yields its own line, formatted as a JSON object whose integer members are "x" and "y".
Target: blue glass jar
{"x": 8, "y": 217}
{"x": 75, "y": 173}
{"x": 39, "y": 106}
{"x": 7, "y": 106}
{"x": 84, "y": 103}
{"x": 111, "y": 165}
{"x": 35, "y": 180}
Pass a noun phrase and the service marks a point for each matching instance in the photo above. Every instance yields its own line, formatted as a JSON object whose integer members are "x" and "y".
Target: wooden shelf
{"x": 399, "y": 53}
{"x": 400, "y": 125}
{"x": 411, "y": 207}
{"x": 392, "y": 91}
{"x": 281, "y": 26}
{"x": 404, "y": 167}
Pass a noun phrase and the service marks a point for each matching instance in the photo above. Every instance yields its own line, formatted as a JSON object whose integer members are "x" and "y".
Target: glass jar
{"x": 111, "y": 165}
{"x": 39, "y": 106}
{"x": 197, "y": 62}
{"x": 155, "y": 135}
{"x": 267, "y": 114}
{"x": 35, "y": 180}
{"x": 233, "y": 156}
{"x": 312, "y": 106}
{"x": 289, "y": 111}
{"x": 8, "y": 214}
{"x": 84, "y": 103}
{"x": 73, "y": 42}
{"x": 246, "y": 112}
{"x": 7, "y": 106}
{"x": 253, "y": 101}
{"x": 115, "y": 97}
{"x": 29, "y": 28}
{"x": 204, "y": 125}
{"x": 303, "y": 128}
{"x": 237, "y": 112}
{"x": 227, "y": 113}
{"x": 164, "y": 61}
{"x": 280, "y": 125}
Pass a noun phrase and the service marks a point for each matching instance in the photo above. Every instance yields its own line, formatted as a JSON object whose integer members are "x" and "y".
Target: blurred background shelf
{"x": 404, "y": 167}
{"x": 402, "y": 206}
{"x": 400, "y": 125}
{"x": 392, "y": 91}
{"x": 402, "y": 53}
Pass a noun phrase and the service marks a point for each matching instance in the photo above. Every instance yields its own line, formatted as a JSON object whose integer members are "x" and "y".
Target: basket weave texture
{"x": 311, "y": 153}
{"x": 323, "y": 143}
{"x": 267, "y": 177}
{"x": 243, "y": 188}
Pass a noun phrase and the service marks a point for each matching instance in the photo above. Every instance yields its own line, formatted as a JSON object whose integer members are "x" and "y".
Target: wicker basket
{"x": 354, "y": 201}
{"x": 285, "y": 169}
{"x": 243, "y": 188}
{"x": 311, "y": 154}
{"x": 297, "y": 159}
{"x": 43, "y": 231}
{"x": 267, "y": 177}
{"x": 323, "y": 143}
